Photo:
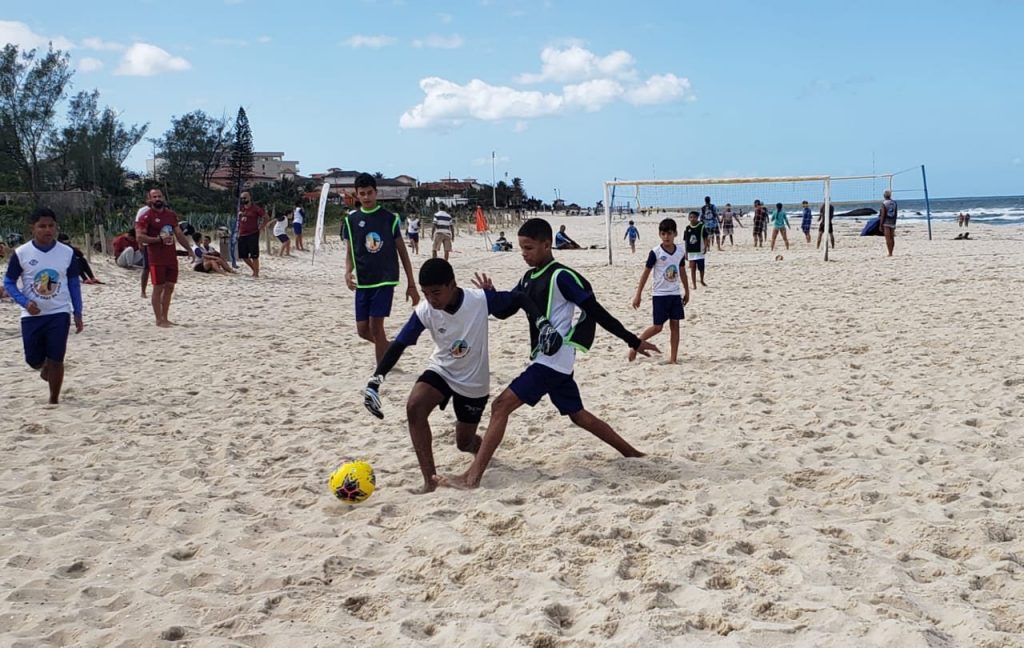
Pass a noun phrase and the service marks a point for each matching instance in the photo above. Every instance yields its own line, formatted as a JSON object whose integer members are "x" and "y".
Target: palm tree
{"x": 518, "y": 192}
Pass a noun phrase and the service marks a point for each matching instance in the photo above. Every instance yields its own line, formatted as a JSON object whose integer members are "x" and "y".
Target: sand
{"x": 837, "y": 461}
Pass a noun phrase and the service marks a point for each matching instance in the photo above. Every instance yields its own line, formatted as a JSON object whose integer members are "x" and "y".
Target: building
{"x": 343, "y": 182}
{"x": 268, "y": 167}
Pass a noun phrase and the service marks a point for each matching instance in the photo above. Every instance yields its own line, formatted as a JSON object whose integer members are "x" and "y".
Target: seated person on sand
{"x": 126, "y": 250}
{"x": 208, "y": 259}
{"x": 501, "y": 244}
{"x": 563, "y": 242}
{"x": 87, "y": 275}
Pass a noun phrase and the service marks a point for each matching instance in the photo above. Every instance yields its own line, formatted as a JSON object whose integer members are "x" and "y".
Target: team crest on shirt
{"x": 459, "y": 348}
{"x": 671, "y": 273}
{"x": 46, "y": 283}
{"x": 373, "y": 242}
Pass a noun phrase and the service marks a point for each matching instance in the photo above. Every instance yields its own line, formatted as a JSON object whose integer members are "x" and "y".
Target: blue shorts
{"x": 667, "y": 307}
{"x": 413, "y": 236}
{"x": 373, "y": 302}
{"x": 45, "y": 338}
{"x": 699, "y": 262}
{"x": 538, "y": 380}
{"x": 297, "y": 228}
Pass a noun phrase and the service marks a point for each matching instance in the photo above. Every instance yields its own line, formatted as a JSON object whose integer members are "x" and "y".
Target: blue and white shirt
{"x": 47, "y": 276}
{"x": 665, "y": 269}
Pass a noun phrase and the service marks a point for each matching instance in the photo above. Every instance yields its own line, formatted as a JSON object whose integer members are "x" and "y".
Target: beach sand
{"x": 837, "y": 461}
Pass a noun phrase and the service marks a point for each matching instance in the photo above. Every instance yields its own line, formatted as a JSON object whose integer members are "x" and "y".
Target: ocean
{"x": 990, "y": 210}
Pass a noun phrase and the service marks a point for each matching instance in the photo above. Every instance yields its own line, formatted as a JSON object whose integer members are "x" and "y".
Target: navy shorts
{"x": 538, "y": 380}
{"x": 283, "y": 237}
{"x": 467, "y": 410}
{"x": 373, "y": 302}
{"x": 667, "y": 307}
{"x": 297, "y": 228}
{"x": 45, "y": 338}
{"x": 414, "y": 236}
{"x": 699, "y": 262}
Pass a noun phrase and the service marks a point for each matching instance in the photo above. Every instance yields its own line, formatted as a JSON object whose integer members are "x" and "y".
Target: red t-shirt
{"x": 162, "y": 223}
{"x": 249, "y": 221}
{"x": 122, "y": 243}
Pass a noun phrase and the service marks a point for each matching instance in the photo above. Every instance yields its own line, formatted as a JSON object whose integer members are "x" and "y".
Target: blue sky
{"x": 571, "y": 93}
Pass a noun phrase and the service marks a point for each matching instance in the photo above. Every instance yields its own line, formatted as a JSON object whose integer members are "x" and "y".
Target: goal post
{"x": 676, "y": 197}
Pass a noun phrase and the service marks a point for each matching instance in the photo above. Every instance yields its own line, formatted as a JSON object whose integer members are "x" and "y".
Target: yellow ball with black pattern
{"x": 353, "y": 482}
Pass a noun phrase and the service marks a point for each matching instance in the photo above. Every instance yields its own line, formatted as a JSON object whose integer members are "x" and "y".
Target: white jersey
{"x": 44, "y": 277}
{"x": 666, "y": 270}
{"x": 299, "y": 216}
{"x": 563, "y": 315}
{"x": 413, "y": 225}
{"x": 280, "y": 226}
{"x": 460, "y": 343}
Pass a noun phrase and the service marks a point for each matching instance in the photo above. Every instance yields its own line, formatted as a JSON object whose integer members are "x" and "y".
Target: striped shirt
{"x": 442, "y": 222}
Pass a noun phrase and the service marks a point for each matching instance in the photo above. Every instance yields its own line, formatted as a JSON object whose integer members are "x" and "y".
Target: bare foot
{"x": 54, "y": 400}
{"x": 170, "y": 323}
{"x": 703, "y": 284}
{"x": 143, "y": 294}
{"x": 635, "y": 453}
{"x": 459, "y": 482}
{"x": 631, "y": 356}
{"x": 164, "y": 324}
{"x": 428, "y": 487}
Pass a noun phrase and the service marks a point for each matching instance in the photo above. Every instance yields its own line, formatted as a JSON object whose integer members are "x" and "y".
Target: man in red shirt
{"x": 250, "y": 221}
{"x": 158, "y": 229}
{"x": 127, "y": 241}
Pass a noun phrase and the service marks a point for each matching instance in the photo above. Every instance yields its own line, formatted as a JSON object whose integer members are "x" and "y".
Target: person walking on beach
{"x": 442, "y": 233}
{"x": 373, "y": 236}
{"x": 158, "y": 230}
{"x": 780, "y": 223}
{"x": 412, "y": 230}
{"x": 458, "y": 370}
{"x": 42, "y": 277}
{"x": 709, "y": 216}
{"x": 632, "y": 235}
{"x": 564, "y": 293}
{"x": 760, "y": 223}
{"x": 805, "y": 221}
{"x": 728, "y": 219}
{"x": 887, "y": 218}
{"x": 250, "y": 222}
{"x": 667, "y": 263}
{"x": 821, "y": 224}
{"x": 298, "y": 219}
{"x": 695, "y": 244}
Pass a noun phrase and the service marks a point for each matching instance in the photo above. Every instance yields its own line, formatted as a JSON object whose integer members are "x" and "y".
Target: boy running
{"x": 666, "y": 261}
{"x": 562, "y": 292}
{"x": 457, "y": 319}
{"x": 696, "y": 245}
{"x": 49, "y": 295}
{"x": 375, "y": 246}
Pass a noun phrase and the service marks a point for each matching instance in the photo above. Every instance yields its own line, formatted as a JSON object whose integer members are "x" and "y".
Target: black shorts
{"x": 467, "y": 410}
{"x": 249, "y": 246}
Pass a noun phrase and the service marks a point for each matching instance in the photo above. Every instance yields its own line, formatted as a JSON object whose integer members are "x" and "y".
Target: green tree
{"x": 190, "y": 151}
{"x": 518, "y": 192}
{"x": 240, "y": 161}
{"x": 89, "y": 152}
{"x": 30, "y": 90}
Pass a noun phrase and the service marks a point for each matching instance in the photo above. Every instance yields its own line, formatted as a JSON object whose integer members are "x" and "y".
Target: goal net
{"x": 848, "y": 200}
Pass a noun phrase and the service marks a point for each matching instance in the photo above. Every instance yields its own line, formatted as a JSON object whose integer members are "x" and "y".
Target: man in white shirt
{"x": 443, "y": 233}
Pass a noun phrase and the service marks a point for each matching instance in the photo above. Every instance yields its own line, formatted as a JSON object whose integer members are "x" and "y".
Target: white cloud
{"x": 439, "y": 42}
{"x": 597, "y": 82}
{"x": 660, "y": 88}
{"x": 89, "y": 64}
{"x": 264, "y": 39}
{"x": 574, "y": 63}
{"x": 101, "y": 45}
{"x": 18, "y": 33}
{"x": 143, "y": 59}
{"x": 373, "y": 42}
{"x": 592, "y": 95}
{"x": 448, "y": 103}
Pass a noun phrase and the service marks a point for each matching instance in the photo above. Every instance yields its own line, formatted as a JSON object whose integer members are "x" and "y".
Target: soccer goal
{"x": 828, "y": 197}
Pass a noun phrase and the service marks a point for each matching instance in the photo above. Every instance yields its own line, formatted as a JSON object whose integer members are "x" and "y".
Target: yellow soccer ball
{"x": 353, "y": 482}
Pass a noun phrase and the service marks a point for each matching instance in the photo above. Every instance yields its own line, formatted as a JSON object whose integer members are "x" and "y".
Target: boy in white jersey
{"x": 666, "y": 262}
{"x": 563, "y": 292}
{"x": 49, "y": 294}
{"x": 458, "y": 370}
